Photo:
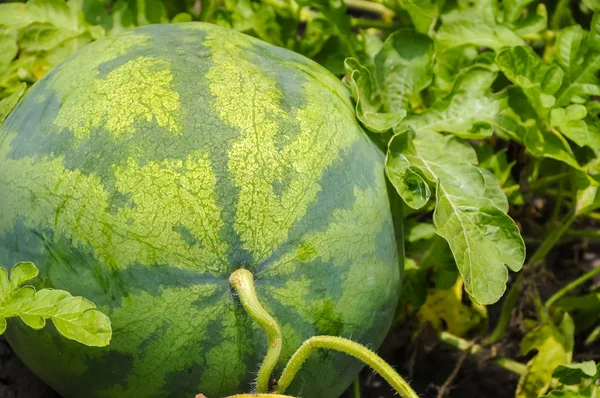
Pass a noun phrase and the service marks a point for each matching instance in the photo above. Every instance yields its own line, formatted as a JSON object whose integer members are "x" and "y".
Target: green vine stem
{"x": 537, "y": 184}
{"x": 356, "y": 388}
{"x": 594, "y": 215}
{"x": 558, "y": 295}
{"x": 243, "y": 282}
{"x": 370, "y": 6}
{"x": 371, "y": 23}
{"x": 513, "y": 294}
{"x": 584, "y": 233}
{"x": 544, "y": 317}
{"x": 550, "y": 241}
{"x": 348, "y": 347}
{"x": 559, "y": 199}
{"x": 476, "y": 349}
{"x": 510, "y": 301}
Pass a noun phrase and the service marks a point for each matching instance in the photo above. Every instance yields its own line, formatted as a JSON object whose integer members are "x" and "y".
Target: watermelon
{"x": 147, "y": 167}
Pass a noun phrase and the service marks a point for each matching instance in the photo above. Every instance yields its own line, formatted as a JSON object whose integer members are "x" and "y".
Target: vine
{"x": 242, "y": 281}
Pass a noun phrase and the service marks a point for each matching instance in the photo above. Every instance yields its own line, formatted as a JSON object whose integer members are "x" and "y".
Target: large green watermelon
{"x": 147, "y": 167}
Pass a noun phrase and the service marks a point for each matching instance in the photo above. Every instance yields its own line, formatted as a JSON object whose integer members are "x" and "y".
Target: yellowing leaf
{"x": 554, "y": 345}
{"x": 444, "y": 310}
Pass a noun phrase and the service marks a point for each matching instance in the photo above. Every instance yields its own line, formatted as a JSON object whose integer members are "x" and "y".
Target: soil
{"x": 16, "y": 381}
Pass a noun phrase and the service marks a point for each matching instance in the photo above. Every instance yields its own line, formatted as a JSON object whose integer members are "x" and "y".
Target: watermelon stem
{"x": 348, "y": 347}
{"x": 242, "y": 281}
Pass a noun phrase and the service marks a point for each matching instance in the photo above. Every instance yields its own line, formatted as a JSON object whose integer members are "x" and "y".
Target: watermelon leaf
{"x": 471, "y": 90}
{"x": 410, "y": 184}
{"x": 475, "y": 26}
{"x": 470, "y": 210}
{"x": 74, "y": 317}
{"x": 574, "y": 373}
{"x": 8, "y": 103}
{"x": 585, "y": 393}
{"x": 359, "y": 81}
{"x": 403, "y": 67}
{"x": 588, "y": 193}
{"x": 578, "y": 54}
{"x": 424, "y": 13}
{"x": 554, "y": 345}
{"x": 538, "y": 79}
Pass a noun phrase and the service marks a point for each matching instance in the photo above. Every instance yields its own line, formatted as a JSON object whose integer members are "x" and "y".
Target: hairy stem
{"x": 243, "y": 282}
{"x": 348, "y": 347}
{"x": 513, "y": 294}
{"x": 511, "y": 365}
{"x": 476, "y": 349}
{"x": 547, "y": 36}
{"x": 582, "y": 279}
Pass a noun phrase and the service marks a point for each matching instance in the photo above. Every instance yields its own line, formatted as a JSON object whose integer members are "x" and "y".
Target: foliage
{"x": 74, "y": 317}
{"x": 577, "y": 380}
{"x": 482, "y": 107}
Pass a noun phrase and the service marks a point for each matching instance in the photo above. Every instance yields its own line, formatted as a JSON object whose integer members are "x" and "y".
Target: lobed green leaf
{"x": 475, "y": 26}
{"x": 578, "y": 54}
{"x": 74, "y": 317}
{"x": 472, "y": 92}
{"x": 575, "y": 373}
{"x": 361, "y": 85}
{"x": 538, "y": 80}
{"x": 403, "y": 67}
{"x": 470, "y": 212}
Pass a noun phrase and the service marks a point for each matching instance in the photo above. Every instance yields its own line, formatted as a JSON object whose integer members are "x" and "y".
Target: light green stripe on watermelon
{"x": 185, "y": 200}
{"x": 80, "y": 88}
{"x": 143, "y": 92}
{"x": 249, "y": 100}
{"x": 146, "y": 233}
